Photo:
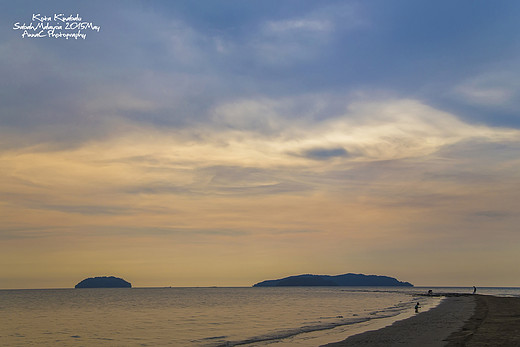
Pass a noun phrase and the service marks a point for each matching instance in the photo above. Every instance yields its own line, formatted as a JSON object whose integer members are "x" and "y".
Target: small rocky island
{"x": 104, "y": 282}
{"x": 346, "y": 280}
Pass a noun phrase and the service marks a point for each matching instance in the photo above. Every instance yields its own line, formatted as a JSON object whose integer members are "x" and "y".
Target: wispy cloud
{"x": 325, "y": 153}
{"x": 265, "y": 132}
{"x": 490, "y": 89}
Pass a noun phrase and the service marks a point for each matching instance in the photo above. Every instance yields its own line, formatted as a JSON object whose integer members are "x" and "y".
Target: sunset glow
{"x": 245, "y": 141}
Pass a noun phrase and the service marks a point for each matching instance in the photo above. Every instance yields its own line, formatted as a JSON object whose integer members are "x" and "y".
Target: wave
{"x": 317, "y": 326}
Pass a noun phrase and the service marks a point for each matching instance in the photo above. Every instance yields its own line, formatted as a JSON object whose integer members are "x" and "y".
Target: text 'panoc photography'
{"x": 283, "y": 173}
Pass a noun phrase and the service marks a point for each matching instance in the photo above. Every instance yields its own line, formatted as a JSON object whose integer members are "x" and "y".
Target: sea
{"x": 256, "y": 316}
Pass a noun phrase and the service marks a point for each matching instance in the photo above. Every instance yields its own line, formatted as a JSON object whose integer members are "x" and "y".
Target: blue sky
{"x": 296, "y": 136}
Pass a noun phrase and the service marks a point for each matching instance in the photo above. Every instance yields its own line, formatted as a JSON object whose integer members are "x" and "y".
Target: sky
{"x": 222, "y": 143}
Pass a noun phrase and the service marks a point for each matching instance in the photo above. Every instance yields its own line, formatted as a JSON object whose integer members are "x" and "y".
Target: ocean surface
{"x": 290, "y": 316}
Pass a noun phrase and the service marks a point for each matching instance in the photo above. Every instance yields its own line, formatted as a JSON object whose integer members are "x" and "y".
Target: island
{"x": 346, "y": 280}
{"x": 104, "y": 282}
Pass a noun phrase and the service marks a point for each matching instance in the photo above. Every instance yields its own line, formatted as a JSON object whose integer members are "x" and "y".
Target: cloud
{"x": 233, "y": 128}
{"x": 489, "y": 89}
{"x": 298, "y": 25}
{"x": 491, "y": 214}
{"x": 176, "y": 71}
{"x": 366, "y": 129}
{"x": 290, "y": 42}
{"x": 382, "y": 141}
{"x": 325, "y": 153}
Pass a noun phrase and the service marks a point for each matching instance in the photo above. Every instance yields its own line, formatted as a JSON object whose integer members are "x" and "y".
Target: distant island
{"x": 346, "y": 280}
{"x": 104, "y": 282}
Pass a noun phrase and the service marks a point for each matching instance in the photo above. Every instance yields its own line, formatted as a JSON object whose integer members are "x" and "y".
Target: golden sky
{"x": 192, "y": 153}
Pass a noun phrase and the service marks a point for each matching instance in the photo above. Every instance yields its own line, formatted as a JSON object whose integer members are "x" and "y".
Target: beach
{"x": 495, "y": 322}
{"x": 460, "y": 320}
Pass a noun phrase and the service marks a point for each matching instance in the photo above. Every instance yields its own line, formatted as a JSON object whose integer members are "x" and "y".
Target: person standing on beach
{"x": 417, "y": 308}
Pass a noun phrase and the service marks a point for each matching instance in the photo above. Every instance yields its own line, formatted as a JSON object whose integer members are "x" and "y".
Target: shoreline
{"x": 332, "y": 335}
{"x": 460, "y": 320}
{"x": 431, "y": 328}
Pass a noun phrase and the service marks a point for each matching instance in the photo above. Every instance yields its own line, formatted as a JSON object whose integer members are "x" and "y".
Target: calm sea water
{"x": 205, "y": 316}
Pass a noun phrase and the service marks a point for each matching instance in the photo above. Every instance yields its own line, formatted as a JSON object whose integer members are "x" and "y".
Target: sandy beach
{"x": 495, "y": 322}
{"x": 460, "y": 320}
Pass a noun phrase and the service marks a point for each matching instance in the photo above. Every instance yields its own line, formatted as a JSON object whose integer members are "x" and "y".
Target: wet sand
{"x": 460, "y": 320}
{"x": 496, "y": 322}
{"x": 430, "y": 328}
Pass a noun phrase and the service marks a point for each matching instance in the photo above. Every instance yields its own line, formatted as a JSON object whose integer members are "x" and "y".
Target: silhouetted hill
{"x": 351, "y": 280}
{"x": 104, "y": 282}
